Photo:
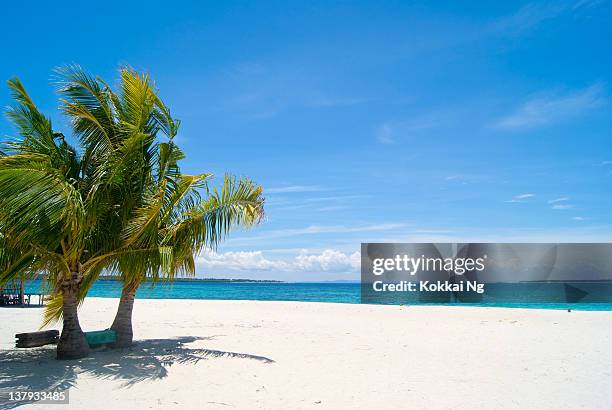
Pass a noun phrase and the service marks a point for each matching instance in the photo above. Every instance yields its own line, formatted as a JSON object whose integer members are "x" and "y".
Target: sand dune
{"x": 281, "y": 355}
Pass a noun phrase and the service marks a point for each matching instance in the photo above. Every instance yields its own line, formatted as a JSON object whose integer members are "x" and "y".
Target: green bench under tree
{"x": 100, "y": 337}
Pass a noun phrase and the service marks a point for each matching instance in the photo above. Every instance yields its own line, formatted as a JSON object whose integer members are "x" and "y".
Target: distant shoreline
{"x": 118, "y": 279}
{"x": 224, "y": 280}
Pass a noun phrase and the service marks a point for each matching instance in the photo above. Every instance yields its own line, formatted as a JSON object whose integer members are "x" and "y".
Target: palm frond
{"x": 39, "y": 204}
{"x": 53, "y": 309}
{"x": 239, "y": 203}
{"x": 86, "y": 102}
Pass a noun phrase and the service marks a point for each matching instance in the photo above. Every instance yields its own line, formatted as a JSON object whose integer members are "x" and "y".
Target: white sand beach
{"x": 285, "y": 355}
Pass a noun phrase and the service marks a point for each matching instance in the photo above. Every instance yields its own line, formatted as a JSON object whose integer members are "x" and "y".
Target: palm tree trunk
{"x": 122, "y": 325}
{"x": 72, "y": 343}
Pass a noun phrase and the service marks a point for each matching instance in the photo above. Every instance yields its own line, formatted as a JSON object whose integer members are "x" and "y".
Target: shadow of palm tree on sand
{"x": 38, "y": 370}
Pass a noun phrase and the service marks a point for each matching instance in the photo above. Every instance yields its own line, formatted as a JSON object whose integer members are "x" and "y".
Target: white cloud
{"x": 433, "y": 231}
{"x": 336, "y": 198}
{"x": 527, "y": 17}
{"x": 560, "y": 203}
{"x": 553, "y": 108}
{"x": 392, "y": 132}
{"x": 577, "y": 233}
{"x": 580, "y": 218}
{"x": 587, "y": 3}
{"x": 316, "y": 203}
{"x": 520, "y": 198}
{"x": 319, "y": 229}
{"x": 294, "y": 188}
{"x": 332, "y": 208}
{"x": 465, "y": 179}
{"x": 533, "y": 14}
{"x": 248, "y": 68}
{"x": 384, "y": 134}
{"x": 328, "y": 260}
{"x": 562, "y": 206}
{"x": 322, "y": 101}
{"x": 239, "y": 261}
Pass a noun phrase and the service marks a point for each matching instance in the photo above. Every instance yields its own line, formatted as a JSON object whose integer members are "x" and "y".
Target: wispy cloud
{"x": 316, "y": 203}
{"x": 533, "y": 14}
{"x": 337, "y": 198}
{"x": 522, "y": 21}
{"x": 520, "y": 198}
{"x": 255, "y": 91}
{"x": 562, "y": 206}
{"x": 251, "y": 106}
{"x": 552, "y": 108}
{"x": 527, "y": 17}
{"x": 391, "y": 132}
{"x": 433, "y": 231}
{"x": 465, "y": 179}
{"x": 247, "y": 68}
{"x": 293, "y": 207}
{"x": 557, "y": 200}
{"x": 586, "y": 4}
{"x": 580, "y": 218}
{"x": 294, "y": 188}
{"x": 579, "y": 233}
{"x": 321, "y": 101}
{"x": 385, "y": 134}
{"x": 319, "y": 229}
{"x": 332, "y": 208}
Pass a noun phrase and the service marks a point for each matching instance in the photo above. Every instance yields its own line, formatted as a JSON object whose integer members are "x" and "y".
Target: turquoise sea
{"x": 302, "y": 292}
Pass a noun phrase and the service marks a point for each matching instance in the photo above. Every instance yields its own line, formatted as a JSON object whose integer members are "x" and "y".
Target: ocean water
{"x": 303, "y": 292}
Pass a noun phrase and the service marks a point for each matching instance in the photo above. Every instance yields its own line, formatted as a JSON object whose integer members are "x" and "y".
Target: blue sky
{"x": 364, "y": 121}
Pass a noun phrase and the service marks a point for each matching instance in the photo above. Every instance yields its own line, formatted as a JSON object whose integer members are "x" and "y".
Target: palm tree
{"x": 163, "y": 217}
{"x": 171, "y": 221}
{"x": 70, "y": 208}
{"x": 49, "y": 202}
{"x": 181, "y": 223}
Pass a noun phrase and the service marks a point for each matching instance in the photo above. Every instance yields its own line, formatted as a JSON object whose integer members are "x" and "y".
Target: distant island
{"x": 118, "y": 278}
{"x": 567, "y": 281}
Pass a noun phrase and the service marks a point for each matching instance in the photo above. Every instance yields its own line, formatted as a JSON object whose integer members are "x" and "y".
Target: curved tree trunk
{"x": 72, "y": 343}
{"x": 122, "y": 324}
